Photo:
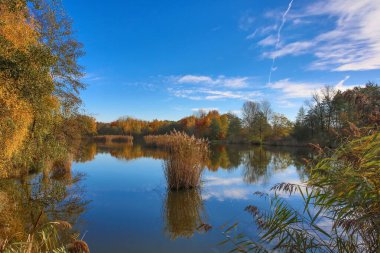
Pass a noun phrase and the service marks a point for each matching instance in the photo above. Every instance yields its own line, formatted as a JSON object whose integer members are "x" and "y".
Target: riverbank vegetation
{"x": 341, "y": 205}
{"x": 322, "y": 120}
{"x": 40, "y": 82}
{"x": 40, "y": 126}
{"x": 186, "y": 158}
{"x": 37, "y": 212}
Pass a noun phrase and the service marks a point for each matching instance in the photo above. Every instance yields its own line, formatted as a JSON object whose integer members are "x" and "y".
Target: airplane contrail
{"x": 279, "y": 39}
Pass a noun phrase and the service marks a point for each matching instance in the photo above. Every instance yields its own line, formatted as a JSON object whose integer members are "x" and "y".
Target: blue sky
{"x": 165, "y": 59}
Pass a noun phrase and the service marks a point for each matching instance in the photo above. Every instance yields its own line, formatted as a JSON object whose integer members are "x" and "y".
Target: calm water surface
{"x": 130, "y": 209}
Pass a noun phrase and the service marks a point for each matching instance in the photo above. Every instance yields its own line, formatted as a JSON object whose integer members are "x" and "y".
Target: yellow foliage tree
{"x": 17, "y": 34}
{"x": 15, "y": 118}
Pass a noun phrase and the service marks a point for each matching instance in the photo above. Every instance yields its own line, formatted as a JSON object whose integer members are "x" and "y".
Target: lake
{"x": 117, "y": 197}
{"x": 131, "y": 210}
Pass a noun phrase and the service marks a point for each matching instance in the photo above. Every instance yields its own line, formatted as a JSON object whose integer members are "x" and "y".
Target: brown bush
{"x": 187, "y": 156}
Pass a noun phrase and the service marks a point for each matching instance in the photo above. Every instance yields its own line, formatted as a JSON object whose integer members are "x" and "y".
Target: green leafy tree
{"x": 215, "y": 129}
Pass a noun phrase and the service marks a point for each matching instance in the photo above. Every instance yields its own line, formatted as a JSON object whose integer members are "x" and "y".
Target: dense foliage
{"x": 40, "y": 81}
{"x": 40, "y": 125}
{"x": 330, "y": 113}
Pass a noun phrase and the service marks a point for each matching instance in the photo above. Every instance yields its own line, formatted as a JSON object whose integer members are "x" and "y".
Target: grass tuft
{"x": 186, "y": 159}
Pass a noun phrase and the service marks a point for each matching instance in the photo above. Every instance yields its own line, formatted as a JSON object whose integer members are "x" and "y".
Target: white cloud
{"x": 267, "y": 29}
{"x": 194, "y": 79}
{"x": 237, "y": 82}
{"x": 230, "y": 82}
{"x": 295, "y": 48}
{"x": 208, "y": 94}
{"x": 203, "y": 87}
{"x": 215, "y": 94}
{"x": 353, "y": 44}
{"x": 292, "y": 89}
{"x": 189, "y": 94}
{"x": 278, "y": 39}
{"x": 268, "y": 41}
{"x": 205, "y": 109}
{"x": 252, "y": 35}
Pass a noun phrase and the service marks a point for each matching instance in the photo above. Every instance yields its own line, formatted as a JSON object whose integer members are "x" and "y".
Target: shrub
{"x": 186, "y": 159}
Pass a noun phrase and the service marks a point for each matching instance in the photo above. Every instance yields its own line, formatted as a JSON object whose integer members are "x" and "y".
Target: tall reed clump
{"x": 186, "y": 158}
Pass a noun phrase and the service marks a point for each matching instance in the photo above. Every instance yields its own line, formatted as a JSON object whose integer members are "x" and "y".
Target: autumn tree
{"x": 234, "y": 127}
{"x": 40, "y": 81}
{"x": 215, "y": 129}
{"x": 330, "y": 112}
{"x": 281, "y": 126}
{"x": 255, "y": 119}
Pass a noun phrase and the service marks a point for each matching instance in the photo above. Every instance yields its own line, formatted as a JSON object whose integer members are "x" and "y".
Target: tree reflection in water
{"x": 258, "y": 162}
{"x": 255, "y": 164}
{"x": 53, "y": 195}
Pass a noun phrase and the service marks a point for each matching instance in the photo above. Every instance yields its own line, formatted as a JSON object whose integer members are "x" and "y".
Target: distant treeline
{"x": 322, "y": 120}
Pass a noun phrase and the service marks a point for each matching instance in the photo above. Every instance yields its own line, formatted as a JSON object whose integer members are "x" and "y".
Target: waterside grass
{"x": 186, "y": 159}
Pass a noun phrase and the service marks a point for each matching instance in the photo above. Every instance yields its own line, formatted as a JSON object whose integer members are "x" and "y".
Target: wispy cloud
{"x": 352, "y": 44}
{"x": 208, "y": 94}
{"x": 206, "y": 87}
{"x": 252, "y": 35}
{"x": 268, "y": 41}
{"x": 278, "y": 39}
{"x": 205, "y": 109}
{"x": 295, "y": 48}
{"x": 184, "y": 93}
{"x": 246, "y": 21}
{"x": 194, "y": 79}
{"x": 230, "y": 82}
{"x": 292, "y": 89}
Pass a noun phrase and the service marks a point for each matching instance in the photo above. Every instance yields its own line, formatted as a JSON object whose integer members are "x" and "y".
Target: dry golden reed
{"x": 186, "y": 159}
